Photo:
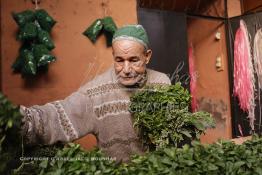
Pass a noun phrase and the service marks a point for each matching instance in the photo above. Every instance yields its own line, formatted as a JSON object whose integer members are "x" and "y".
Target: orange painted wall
{"x": 251, "y": 5}
{"x": 78, "y": 60}
{"x": 212, "y": 85}
{"x": 213, "y": 92}
{"x": 234, "y": 8}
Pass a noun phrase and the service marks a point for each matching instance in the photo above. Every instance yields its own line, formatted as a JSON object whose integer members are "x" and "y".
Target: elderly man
{"x": 100, "y": 106}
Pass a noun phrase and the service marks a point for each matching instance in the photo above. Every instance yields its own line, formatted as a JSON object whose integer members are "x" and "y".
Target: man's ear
{"x": 148, "y": 55}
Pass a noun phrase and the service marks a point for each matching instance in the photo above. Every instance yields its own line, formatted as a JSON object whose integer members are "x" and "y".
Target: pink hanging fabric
{"x": 193, "y": 78}
{"x": 244, "y": 82}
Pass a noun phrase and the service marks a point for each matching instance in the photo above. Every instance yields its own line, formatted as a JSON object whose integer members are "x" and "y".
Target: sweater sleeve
{"x": 63, "y": 120}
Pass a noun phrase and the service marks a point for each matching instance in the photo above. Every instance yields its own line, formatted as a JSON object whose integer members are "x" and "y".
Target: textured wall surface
{"x": 212, "y": 85}
{"x": 78, "y": 60}
{"x": 252, "y": 5}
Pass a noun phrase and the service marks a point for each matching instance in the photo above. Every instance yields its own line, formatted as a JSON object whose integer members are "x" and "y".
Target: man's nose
{"x": 126, "y": 67}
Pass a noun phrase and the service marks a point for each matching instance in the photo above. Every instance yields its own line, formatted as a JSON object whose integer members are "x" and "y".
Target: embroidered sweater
{"x": 99, "y": 107}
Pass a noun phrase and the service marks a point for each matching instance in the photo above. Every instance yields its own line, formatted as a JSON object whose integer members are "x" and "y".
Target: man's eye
{"x": 119, "y": 61}
{"x": 134, "y": 60}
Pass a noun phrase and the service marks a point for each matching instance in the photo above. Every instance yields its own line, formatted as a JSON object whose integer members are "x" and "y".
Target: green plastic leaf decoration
{"x": 28, "y": 31}
{"x": 18, "y": 64}
{"x": 99, "y": 26}
{"x": 29, "y": 67}
{"x": 109, "y": 29}
{"x": 45, "y": 20}
{"x": 24, "y": 17}
{"x": 42, "y": 56}
{"x": 109, "y": 38}
{"x": 44, "y": 38}
{"x": 94, "y": 30}
{"x": 109, "y": 24}
{"x": 34, "y": 33}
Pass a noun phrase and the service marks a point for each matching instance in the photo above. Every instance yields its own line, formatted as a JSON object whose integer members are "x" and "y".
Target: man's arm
{"x": 63, "y": 120}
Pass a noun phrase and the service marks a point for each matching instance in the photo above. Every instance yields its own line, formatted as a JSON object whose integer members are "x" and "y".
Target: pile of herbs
{"x": 73, "y": 160}
{"x": 10, "y": 121}
{"x": 162, "y": 117}
{"x": 12, "y": 149}
{"x": 222, "y": 157}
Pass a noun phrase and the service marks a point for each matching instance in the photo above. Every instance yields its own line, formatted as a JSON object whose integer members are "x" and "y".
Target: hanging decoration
{"x": 258, "y": 56}
{"x": 193, "y": 78}
{"x": 34, "y": 33}
{"x": 105, "y": 25}
{"x": 258, "y": 67}
{"x": 244, "y": 82}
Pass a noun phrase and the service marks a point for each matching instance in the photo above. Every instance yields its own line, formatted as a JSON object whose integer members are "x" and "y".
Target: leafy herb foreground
{"x": 222, "y": 157}
{"x": 162, "y": 117}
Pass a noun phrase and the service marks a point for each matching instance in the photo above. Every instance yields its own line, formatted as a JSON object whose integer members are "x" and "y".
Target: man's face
{"x": 130, "y": 59}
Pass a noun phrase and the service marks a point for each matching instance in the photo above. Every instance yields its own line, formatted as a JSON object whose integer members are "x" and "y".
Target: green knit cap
{"x": 132, "y": 32}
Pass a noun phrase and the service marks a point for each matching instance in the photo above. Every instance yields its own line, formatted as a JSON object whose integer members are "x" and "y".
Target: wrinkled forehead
{"x": 123, "y": 47}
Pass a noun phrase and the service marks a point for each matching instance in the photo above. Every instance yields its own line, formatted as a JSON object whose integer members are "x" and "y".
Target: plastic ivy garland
{"x": 34, "y": 33}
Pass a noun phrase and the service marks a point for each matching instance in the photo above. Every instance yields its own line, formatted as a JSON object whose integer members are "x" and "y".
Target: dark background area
{"x": 167, "y": 32}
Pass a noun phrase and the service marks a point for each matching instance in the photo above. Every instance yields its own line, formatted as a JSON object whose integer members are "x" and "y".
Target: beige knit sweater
{"x": 99, "y": 107}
